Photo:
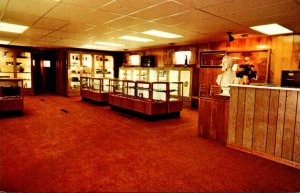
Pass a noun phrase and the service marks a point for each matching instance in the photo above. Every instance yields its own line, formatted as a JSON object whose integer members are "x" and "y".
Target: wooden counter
{"x": 265, "y": 121}
{"x": 213, "y": 117}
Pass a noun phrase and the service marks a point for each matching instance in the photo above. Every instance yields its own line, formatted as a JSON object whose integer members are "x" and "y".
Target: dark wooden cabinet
{"x": 213, "y": 118}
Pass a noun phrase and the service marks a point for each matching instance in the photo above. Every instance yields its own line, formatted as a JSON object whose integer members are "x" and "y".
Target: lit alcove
{"x": 182, "y": 57}
{"x": 135, "y": 60}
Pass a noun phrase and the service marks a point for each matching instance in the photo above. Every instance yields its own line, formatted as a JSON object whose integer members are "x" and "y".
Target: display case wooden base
{"x": 11, "y": 104}
{"x": 94, "y": 96}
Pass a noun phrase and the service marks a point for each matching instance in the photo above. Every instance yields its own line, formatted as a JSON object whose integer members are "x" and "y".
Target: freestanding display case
{"x": 11, "y": 94}
{"x": 95, "y": 89}
{"x": 164, "y": 74}
{"x": 150, "y": 98}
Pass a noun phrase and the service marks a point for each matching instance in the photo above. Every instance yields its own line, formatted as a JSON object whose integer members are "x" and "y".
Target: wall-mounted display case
{"x": 150, "y": 98}
{"x": 11, "y": 94}
{"x": 17, "y": 64}
{"x": 94, "y": 65}
{"x": 95, "y": 89}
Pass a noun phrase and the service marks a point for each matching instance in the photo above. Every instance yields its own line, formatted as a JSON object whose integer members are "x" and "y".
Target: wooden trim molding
{"x": 265, "y": 155}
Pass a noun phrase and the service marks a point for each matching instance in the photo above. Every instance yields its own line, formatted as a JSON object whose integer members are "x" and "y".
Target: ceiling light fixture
{"x": 161, "y": 34}
{"x": 94, "y": 47}
{"x": 135, "y": 38}
{"x": 230, "y": 37}
{"x": 8, "y": 27}
{"x": 271, "y": 29}
{"x": 3, "y": 42}
{"x": 109, "y": 44}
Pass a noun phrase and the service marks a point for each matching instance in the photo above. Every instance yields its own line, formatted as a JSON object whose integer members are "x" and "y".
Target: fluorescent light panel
{"x": 4, "y": 42}
{"x": 7, "y": 27}
{"x": 271, "y": 29}
{"x": 109, "y": 44}
{"x": 161, "y": 34}
{"x": 94, "y": 47}
{"x": 135, "y": 38}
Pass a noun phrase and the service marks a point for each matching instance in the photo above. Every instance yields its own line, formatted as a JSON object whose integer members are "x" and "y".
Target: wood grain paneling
{"x": 280, "y": 123}
{"x": 261, "y": 119}
{"x": 296, "y": 151}
{"x": 271, "y": 136}
{"x": 240, "y": 116}
{"x": 271, "y": 122}
{"x": 249, "y": 117}
{"x": 289, "y": 125}
{"x": 232, "y": 114}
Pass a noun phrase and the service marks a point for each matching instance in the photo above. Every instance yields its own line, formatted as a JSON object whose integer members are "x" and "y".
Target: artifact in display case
{"x": 11, "y": 94}
{"x": 95, "y": 89}
{"x": 86, "y": 67}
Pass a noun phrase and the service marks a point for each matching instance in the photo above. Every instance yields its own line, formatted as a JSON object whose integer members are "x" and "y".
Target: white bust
{"x": 228, "y": 76}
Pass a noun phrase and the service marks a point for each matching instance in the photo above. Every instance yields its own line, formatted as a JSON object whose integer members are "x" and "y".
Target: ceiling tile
{"x": 77, "y": 27}
{"x": 48, "y": 39}
{"x": 129, "y": 6}
{"x": 88, "y": 3}
{"x": 98, "y": 17}
{"x": 238, "y": 5}
{"x": 193, "y": 15}
{"x": 8, "y": 35}
{"x": 14, "y": 17}
{"x": 200, "y": 4}
{"x": 69, "y": 12}
{"x": 48, "y": 23}
{"x": 161, "y": 10}
{"x": 32, "y": 7}
{"x": 36, "y": 32}
{"x": 123, "y": 22}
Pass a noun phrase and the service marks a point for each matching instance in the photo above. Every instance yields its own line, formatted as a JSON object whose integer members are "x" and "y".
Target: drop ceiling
{"x": 73, "y": 23}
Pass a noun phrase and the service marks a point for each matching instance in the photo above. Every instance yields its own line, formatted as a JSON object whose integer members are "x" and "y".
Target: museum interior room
{"x": 149, "y": 96}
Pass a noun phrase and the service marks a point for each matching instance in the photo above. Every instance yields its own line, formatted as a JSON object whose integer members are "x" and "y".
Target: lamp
{"x": 230, "y": 37}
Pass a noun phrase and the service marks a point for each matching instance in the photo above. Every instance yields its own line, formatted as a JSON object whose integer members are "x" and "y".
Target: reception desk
{"x": 265, "y": 121}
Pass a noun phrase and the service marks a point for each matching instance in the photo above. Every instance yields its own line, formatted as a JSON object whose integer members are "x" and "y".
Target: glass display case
{"x": 95, "y": 89}
{"x": 11, "y": 94}
{"x": 166, "y": 74}
{"x": 94, "y": 65}
{"x": 74, "y": 74}
{"x": 151, "y": 98}
{"x": 17, "y": 64}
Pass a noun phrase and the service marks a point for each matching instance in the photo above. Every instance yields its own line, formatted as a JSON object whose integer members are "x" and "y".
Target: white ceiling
{"x": 73, "y": 23}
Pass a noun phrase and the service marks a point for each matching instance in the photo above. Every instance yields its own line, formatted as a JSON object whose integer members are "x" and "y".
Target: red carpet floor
{"x": 93, "y": 148}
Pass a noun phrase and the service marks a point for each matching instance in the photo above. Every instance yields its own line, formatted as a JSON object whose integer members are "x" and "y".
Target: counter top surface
{"x": 271, "y": 87}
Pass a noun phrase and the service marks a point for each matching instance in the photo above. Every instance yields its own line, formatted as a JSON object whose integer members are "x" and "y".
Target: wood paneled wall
{"x": 265, "y": 120}
{"x": 285, "y": 54}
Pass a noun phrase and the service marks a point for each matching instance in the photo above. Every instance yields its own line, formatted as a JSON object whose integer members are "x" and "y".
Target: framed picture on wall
{"x": 259, "y": 58}
{"x": 211, "y": 59}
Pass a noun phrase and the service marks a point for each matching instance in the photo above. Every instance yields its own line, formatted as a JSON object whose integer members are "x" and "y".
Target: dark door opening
{"x": 44, "y": 71}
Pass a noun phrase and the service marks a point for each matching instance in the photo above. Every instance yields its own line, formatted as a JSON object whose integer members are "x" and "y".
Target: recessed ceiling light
{"x": 4, "y": 42}
{"x": 7, "y": 27}
{"x": 94, "y": 47}
{"x": 135, "y": 38}
{"x": 109, "y": 44}
{"x": 161, "y": 34}
{"x": 271, "y": 29}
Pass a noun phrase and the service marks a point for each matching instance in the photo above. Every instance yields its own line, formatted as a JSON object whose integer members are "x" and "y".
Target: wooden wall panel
{"x": 232, "y": 115}
{"x": 240, "y": 116}
{"x": 261, "y": 119}
{"x": 295, "y": 61}
{"x": 280, "y": 123}
{"x": 296, "y": 154}
{"x": 289, "y": 125}
{"x": 249, "y": 117}
{"x": 271, "y": 136}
